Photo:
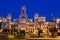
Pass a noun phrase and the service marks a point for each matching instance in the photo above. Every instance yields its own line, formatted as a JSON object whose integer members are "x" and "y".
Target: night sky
{"x": 43, "y": 7}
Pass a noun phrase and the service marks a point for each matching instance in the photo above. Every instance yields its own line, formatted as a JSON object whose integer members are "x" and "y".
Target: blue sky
{"x": 43, "y": 7}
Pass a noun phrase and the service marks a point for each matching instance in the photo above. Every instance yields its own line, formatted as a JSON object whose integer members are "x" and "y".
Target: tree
{"x": 13, "y": 28}
{"x": 53, "y": 30}
{"x": 22, "y": 32}
{"x": 39, "y": 31}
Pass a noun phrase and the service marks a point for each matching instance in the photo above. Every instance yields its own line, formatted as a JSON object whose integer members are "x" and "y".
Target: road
{"x": 6, "y": 37}
{"x": 13, "y": 37}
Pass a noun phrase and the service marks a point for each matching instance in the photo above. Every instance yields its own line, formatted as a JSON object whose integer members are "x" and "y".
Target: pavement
{"x": 27, "y": 37}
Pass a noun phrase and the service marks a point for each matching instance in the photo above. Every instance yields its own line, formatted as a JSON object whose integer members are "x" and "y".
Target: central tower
{"x": 23, "y": 15}
{"x": 23, "y": 19}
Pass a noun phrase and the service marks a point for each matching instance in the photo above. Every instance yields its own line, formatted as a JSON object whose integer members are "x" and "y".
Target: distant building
{"x": 8, "y": 25}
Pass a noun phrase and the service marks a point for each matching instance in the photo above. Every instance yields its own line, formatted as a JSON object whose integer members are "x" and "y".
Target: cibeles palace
{"x": 30, "y": 26}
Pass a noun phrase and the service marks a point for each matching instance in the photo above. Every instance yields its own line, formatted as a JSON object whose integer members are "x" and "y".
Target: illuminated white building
{"x": 57, "y": 21}
{"x": 26, "y": 24}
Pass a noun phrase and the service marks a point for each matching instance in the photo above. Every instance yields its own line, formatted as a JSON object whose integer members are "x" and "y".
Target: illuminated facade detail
{"x": 57, "y": 20}
{"x": 30, "y": 20}
{"x": 41, "y": 19}
{"x": 30, "y": 30}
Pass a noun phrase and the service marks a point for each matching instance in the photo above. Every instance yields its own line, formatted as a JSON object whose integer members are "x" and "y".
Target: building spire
{"x": 23, "y": 13}
{"x": 23, "y": 10}
{"x": 52, "y": 17}
{"x": 36, "y": 15}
